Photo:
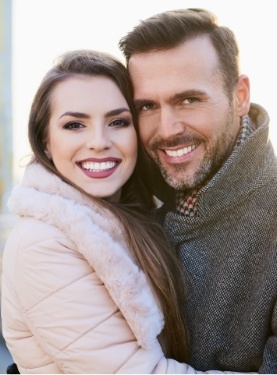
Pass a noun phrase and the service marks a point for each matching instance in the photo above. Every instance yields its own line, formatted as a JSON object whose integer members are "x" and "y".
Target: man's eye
{"x": 189, "y": 100}
{"x": 146, "y": 107}
{"x": 73, "y": 125}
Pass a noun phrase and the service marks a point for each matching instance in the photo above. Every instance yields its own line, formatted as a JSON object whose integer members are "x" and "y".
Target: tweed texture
{"x": 187, "y": 204}
{"x": 229, "y": 251}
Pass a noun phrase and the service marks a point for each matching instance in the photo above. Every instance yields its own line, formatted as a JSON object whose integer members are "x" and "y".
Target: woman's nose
{"x": 98, "y": 138}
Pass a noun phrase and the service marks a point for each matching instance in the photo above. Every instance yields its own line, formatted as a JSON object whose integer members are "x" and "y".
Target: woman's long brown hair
{"x": 145, "y": 238}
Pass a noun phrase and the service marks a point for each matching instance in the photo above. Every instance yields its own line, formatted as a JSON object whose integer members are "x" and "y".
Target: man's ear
{"x": 242, "y": 93}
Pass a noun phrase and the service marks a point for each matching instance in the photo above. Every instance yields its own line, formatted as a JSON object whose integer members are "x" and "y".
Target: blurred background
{"x": 34, "y": 32}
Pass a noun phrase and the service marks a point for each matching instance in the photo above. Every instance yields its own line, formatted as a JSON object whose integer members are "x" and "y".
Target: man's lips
{"x": 176, "y": 154}
{"x": 180, "y": 151}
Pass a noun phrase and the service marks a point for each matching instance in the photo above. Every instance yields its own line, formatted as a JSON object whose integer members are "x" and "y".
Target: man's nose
{"x": 170, "y": 123}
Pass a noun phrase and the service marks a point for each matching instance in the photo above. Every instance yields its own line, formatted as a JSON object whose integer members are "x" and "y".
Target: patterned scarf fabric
{"x": 186, "y": 205}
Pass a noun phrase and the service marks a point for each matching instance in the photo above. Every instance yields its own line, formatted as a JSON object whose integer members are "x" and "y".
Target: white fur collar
{"x": 99, "y": 239}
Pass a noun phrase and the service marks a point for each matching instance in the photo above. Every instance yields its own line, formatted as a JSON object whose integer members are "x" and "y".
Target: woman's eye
{"x": 119, "y": 123}
{"x": 73, "y": 125}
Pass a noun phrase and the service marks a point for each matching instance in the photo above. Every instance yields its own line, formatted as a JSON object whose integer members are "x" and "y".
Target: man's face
{"x": 187, "y": 123}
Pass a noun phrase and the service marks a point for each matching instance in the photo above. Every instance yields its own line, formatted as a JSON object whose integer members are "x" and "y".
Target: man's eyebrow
{"x": 179, "y": 95}
{"x": 188, "y": 93}
{"x": 141, "y": 102}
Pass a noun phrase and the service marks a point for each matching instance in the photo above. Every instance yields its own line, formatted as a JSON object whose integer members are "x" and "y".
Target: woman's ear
{"x": 243, "y": 95}
{"x": 48, "y": 155}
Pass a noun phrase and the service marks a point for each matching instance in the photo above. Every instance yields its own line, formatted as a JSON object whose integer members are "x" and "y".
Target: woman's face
{"x": 91, "y": 137}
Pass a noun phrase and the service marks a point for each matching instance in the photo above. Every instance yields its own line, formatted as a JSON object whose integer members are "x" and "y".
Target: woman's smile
{"x": 91, "y": 131}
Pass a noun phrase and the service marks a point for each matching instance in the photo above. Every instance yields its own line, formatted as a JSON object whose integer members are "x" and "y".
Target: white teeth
{"x": 98, "y": 167}
{"x": 181, "y": 152}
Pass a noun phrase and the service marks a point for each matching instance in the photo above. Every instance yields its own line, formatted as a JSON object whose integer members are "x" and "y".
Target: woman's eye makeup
{"x": 72, "y": 125}
{"x": 115, "y": 123}
{"x": 119, "y": 123}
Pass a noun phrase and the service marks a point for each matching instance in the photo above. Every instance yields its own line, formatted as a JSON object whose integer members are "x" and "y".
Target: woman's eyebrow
{"x": 75, "y": 114}
{"x": 117, "y": 111}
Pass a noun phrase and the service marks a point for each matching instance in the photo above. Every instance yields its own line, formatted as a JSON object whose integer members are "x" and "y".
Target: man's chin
{"x": 182, "y": 183}
{"x": 176, "y": 184}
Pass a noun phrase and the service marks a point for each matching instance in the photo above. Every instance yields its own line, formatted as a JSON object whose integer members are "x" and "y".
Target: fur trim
{"x": 46, "y": 197}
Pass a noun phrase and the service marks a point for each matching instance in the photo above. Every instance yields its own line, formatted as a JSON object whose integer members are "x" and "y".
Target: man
{"x": 211, "y": 146}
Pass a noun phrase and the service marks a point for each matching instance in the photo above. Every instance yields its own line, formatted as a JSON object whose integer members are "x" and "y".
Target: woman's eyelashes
{"x": 120, "y": 123}
{"x": 117, "y": 123}
{"x": 73, "y": 125}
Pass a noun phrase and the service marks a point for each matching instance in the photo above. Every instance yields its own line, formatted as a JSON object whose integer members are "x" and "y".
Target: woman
{"x": 89, "y": 285}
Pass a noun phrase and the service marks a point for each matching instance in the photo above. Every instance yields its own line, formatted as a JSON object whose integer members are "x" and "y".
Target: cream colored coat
{"x": 73, "y": 300}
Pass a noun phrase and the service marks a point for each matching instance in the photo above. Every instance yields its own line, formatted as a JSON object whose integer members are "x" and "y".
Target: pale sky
{"x": 43, "y": 29}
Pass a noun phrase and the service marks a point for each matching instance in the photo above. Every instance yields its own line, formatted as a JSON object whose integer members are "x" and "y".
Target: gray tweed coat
{"x": 229, "y": 252}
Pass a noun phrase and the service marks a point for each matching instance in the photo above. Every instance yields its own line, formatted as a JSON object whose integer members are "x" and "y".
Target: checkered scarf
{"x": 186, "y": 205}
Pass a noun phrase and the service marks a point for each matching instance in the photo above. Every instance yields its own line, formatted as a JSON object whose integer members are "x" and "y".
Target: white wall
{"x": 42, "y": 29}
